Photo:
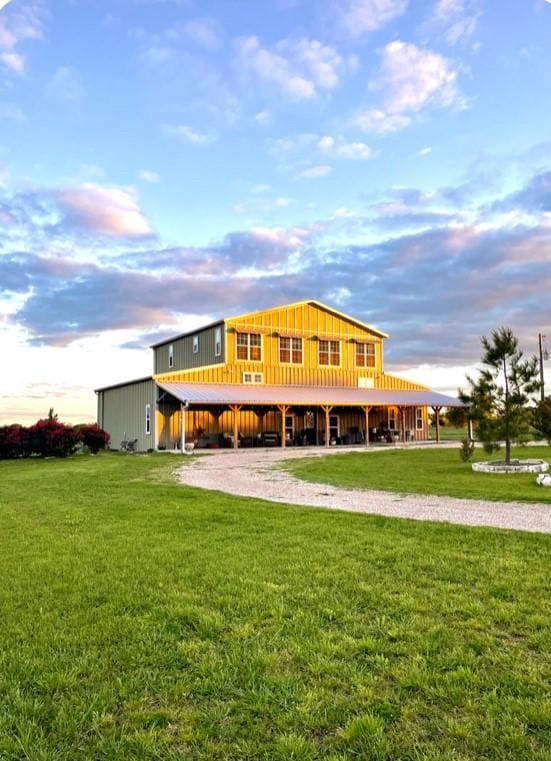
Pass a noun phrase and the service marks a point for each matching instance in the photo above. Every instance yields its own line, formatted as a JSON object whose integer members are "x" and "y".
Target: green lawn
{"x": 447, "y": 433}
{"x": 425, "y": 471}
{"x": 144, "y": 620}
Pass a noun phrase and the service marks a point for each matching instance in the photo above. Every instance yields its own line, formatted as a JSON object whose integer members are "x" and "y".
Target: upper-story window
{"x": 196, "y": 344}
{"x": 249, "y": 346}
{"x": 290, "y": 350}
{"x": 365, "y": 354}
{"x": 217, "y": 342}
{"x": 171, "y": 355}
{"x": 329, "y": 353}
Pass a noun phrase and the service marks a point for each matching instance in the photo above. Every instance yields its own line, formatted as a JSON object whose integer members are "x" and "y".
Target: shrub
{"x": 93, "y": 437}
{"x": 14, "y": 442}
{"x": 467, "y": 450}
{"x": 50, "y": 438}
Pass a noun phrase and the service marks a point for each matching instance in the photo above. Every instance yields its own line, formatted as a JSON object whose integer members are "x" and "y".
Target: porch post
{"x": 183, "y": 414}
{"x": 235, "y": 408}
{"x": 470, "y": 428}
{"x": 367, "y": 410}
{"x": 436, "y": 411}
{"x": 283, "y": 410}
{"x": 327, "y": 409}
{"x": 402, "y": 411}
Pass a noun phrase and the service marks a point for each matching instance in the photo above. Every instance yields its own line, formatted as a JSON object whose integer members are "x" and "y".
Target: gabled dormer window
{"x": 171, "y": 355}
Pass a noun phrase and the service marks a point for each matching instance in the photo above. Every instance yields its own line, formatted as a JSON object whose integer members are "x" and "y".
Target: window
{"x": 171, "y": 355}
{"x": 290, "y": 350}
{"x": 249, "y": 346}
{"x": 419, "y": 418}
{"x": 196, "y": 344}
{"x": 329, "y": 353}
{"x": 391, "y": 420}
{"x": 289, "y": 427}
{"x": 365, "y": 355}
{"x": 217, "y": 342}
{"x": 333, "y": 427}
{"x": 148, "y": 419}
{"x": 253, "y": 378}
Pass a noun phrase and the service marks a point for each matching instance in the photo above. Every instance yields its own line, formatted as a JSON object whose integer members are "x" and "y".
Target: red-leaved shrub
{"x": 50, "y": 438}
{"x": 93, "y": 437}
{"x": 14, "y": 442}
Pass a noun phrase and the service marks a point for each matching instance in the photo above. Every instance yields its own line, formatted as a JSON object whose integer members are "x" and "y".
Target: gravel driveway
{"x": 255, "y": 473}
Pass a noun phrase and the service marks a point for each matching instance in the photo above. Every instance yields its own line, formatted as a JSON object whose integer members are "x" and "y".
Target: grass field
{"x": 145, "y": 620}
{"x": 425, "y": 471}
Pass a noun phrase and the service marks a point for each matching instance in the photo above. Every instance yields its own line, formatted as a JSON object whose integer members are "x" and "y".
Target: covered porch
{"x": 219, "y": 415}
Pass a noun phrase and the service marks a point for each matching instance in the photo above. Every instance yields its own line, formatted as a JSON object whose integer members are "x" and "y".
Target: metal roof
{"x": 245, "y": 394}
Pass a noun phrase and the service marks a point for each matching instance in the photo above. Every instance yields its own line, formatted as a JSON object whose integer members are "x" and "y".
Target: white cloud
{"x": 188, "y": 134}
{"x": 65, "y": 85}
{"x": 361, "y": 16}
{"x": 202, "y": 32}
{"x": 13, "y": 61}
{"x": 264, "y": 118}
{"x": 112, "y": 210}
{"x": 3, "y": 3}
{"x": 149, "y": 176}
{"x": 8, "y": 111}
{"x": 410, "y": 79}
{"x": 299, "y": 68}
{"x": 425, "y": 151}
{"x": 258, "y": 189}
{"x": 21, "y": 23}
{"x": 313, "y": 172}
{"x": 338, "y": 148}
{"x": 455, "y": 19}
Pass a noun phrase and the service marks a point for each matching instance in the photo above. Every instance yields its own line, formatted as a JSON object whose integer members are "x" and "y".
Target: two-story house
{"x": 294, "y": 374}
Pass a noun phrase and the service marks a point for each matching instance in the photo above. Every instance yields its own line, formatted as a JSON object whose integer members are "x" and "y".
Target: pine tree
{"x": 498, "y": 399}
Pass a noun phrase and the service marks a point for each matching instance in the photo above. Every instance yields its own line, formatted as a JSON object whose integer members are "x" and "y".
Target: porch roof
{"x": 304, "y": 396}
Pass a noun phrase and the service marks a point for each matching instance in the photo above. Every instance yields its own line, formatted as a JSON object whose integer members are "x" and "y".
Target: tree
{"x": 542, "y": 418}
{"x": 498, "y": 399}
{"x": 457, "y": 417}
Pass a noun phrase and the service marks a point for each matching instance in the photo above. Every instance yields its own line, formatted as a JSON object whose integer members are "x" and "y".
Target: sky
{"x": 164, "y": 163}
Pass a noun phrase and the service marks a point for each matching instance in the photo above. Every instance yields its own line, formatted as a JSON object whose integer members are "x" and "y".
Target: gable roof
{"x": 318, "y": 304}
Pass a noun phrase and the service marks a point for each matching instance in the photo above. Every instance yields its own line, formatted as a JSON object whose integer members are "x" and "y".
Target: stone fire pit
{"x": 515, "y": 466}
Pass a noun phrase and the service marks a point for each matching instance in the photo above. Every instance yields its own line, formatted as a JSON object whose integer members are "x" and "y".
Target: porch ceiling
{"x": 302, "y": 396}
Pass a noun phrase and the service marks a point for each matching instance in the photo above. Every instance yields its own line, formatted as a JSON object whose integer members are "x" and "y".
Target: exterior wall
{"x": 121, "y": 412}
{"x": 184, "y": 357}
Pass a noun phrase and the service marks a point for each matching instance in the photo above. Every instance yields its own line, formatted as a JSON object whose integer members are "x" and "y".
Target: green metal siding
{"x": 121, "y": 412}
{"x": 184, "y": 357}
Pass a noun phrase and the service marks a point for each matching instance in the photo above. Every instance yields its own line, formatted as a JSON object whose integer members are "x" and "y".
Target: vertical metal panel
{"x": 184, "y": 357}
{"x": 124, "y": 413}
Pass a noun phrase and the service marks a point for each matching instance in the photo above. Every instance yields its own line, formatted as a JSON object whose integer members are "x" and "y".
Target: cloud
{"x": 108, "y": 210}
{"x": 65, "y": 85}
{"x": 19, "y": 23}
{"x": 188, "y": 134}
{"x": 358, "y": 17}
{"x": 410, "y": 79}
{"x": 11, "y": 112}
{"x": 534, "y": 197}
{"x": 340, "y": 149}
{"x": 313, "y": 172}
{"x": 204, "y": 33}
{"x": 455, "y": 20}
{"x": 301, "y": 69}
{"x": 13, "y": 61}
{"x": 149, "y": 176}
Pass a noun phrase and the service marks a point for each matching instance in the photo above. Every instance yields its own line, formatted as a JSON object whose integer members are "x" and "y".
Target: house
{"x": 289, "y": 375}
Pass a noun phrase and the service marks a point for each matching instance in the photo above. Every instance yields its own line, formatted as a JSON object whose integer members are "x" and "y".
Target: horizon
{"x": 389, "y": 159}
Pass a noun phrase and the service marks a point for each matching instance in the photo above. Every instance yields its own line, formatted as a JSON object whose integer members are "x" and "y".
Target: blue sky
{"x": 166, "y": 162}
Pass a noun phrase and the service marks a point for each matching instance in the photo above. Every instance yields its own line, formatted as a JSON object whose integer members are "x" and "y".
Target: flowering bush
{"x": 14, "y": 442}
{"x": 50, "y": 438}
{"x": 93, "y": 437}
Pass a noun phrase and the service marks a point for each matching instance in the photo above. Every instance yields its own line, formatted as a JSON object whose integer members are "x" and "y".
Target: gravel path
{"x": 255, "y": 473}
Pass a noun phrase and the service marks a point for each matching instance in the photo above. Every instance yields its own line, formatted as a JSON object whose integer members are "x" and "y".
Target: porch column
{"x": 235, "y": 408}
{"x": 366, "y": 410}
{"x": 436, "y": 411}
{"x": 283, "y": 409}
{"x": 260, "y": 416}
{"x": 470, "y": 429}
{"x": 402, "y": 411}
{"x": 183, "y": 408}
{"x": 327, "y": 409}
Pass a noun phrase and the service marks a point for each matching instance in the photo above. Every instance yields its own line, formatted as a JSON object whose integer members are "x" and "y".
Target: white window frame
{"x": 247, "y": 346}
{"x": 218, "y": 342}
{"x": 329, "y": 352}
{"x": 171, "y": 355}
{"x": 419, "y": 418}
{"x": 148, "y": 420}
{"x": 252, "y": 378}
{"x": 293, "y": 341}
{"x": 364, "y": 355}
{"x": 196, "y": 344}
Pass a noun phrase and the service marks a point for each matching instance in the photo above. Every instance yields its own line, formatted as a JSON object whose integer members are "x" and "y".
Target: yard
{"x": 426, "y": 471}
{"x": 145, "y": 620}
